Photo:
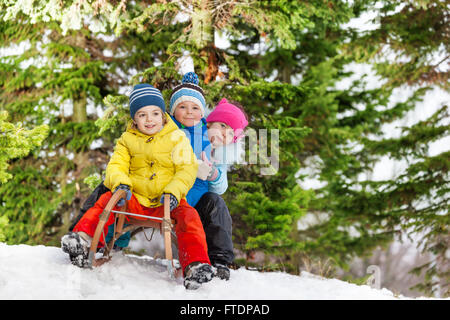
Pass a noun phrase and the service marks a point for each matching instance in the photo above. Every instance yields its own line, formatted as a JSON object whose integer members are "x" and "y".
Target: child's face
{"x": 188, "y": 113}
{"x": 149, "y": 119}
{"x": 220, "y": 134}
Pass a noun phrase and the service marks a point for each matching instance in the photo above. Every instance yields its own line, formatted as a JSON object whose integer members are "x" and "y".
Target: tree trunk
{"x": 80, "y": 116}
{"x": 286, "y": 74}
{"x": 79, "y": 109}
{"x": 81, "y": 160}
{"x": 202, "y": 36}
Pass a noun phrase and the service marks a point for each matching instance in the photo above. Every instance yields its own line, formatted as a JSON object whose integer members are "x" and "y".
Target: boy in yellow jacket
{"x": 152, "y": 158}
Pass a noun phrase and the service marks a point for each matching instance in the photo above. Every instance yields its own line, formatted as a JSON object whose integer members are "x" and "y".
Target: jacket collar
{"x": 191, "y": 129}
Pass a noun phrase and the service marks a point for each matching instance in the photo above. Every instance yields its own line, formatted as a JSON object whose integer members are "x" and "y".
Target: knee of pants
{"x": 187, "y": 220}
{"x": 211, "y": 199}
{"x": 211, "y": 204}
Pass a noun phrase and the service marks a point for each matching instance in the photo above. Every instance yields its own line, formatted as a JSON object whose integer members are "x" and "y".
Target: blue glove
{"x": 128, "y": 197}
{"x": 173, "y": 201}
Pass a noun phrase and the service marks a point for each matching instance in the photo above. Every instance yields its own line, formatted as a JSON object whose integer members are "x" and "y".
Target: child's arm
{"x": 220, "y": 184}
{"x": 118, "y": 167}
{"x": 186, "y": 165}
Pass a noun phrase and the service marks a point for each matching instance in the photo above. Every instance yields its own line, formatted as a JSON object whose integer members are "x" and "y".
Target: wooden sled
{"x": 133, "y": 225}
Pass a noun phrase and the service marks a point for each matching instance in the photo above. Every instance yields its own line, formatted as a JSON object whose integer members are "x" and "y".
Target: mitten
{"x": 173, "y": 201}
{"x": 212, "y": 171}
{"x": 204, "y": 170}
{"x": 213, "y": 174}
{"x": 128, "y": 197}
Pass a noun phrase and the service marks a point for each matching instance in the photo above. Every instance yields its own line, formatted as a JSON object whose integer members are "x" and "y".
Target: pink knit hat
{"x": 231, "y": 115}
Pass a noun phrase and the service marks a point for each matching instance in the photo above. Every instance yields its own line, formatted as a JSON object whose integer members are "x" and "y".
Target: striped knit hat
{"x": 145, "y": 95}
{"x": 188, "y": 90}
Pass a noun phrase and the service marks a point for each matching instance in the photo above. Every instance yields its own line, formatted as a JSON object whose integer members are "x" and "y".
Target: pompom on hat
{"x": 188, "y": 90}
{"x": 230, "y": 115}
{"x": 143, "y": 95}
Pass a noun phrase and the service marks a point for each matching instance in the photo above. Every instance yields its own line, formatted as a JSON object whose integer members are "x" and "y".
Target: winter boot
{"x": 77, "y": 245}
{"x": 197, "y": 273}
{"x": 222, "y": 271}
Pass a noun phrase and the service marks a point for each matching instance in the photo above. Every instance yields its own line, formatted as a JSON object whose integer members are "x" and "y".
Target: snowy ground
{"x": 39, "y": 272}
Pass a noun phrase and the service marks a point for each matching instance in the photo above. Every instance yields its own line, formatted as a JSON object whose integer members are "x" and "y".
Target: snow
{"x": 41, "y": 272}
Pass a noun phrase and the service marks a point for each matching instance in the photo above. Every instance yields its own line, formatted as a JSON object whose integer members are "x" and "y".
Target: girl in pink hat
{"x": 226, "y": 123}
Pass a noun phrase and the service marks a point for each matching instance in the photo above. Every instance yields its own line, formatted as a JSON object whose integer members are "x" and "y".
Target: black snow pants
{"x": 217, "y": 224}
{"x": 213, "y": 213}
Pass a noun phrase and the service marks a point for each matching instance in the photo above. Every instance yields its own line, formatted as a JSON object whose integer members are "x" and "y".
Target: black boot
{"x": 222, "y": 271}
{"x": 77, "y": 247}
{"x": 197, "y": 273}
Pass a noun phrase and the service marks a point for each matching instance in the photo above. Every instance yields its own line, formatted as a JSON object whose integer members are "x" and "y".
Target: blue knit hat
{"x": 188, "y": 90}
{"x": 145, "y": 95}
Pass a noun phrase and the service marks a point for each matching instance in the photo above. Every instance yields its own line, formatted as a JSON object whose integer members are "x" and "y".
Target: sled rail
{"x": 164, "y": 224}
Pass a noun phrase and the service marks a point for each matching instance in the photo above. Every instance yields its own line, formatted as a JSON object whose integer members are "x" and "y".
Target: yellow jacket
{"x": 153, "y": 165}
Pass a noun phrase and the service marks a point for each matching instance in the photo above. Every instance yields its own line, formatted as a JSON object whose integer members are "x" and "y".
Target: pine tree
{"x": 36, "y": 88}
{"x": 15, "y": 142}
{"x": 362, "y": 213}
{"x": 60, "y": 80}
{"x": 417, "y": 201}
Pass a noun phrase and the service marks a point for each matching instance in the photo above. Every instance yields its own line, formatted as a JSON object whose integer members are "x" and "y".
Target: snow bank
{"x": 40, "y": 272}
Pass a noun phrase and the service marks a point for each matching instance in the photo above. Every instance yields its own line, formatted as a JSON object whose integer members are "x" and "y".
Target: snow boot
{"x": 77, "y": 245}
{"x": 222, "y": 271}
{"x": 197, "y": 273}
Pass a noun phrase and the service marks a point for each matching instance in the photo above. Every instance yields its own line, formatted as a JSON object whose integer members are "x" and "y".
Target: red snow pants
{"x": 188, "y": 229}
